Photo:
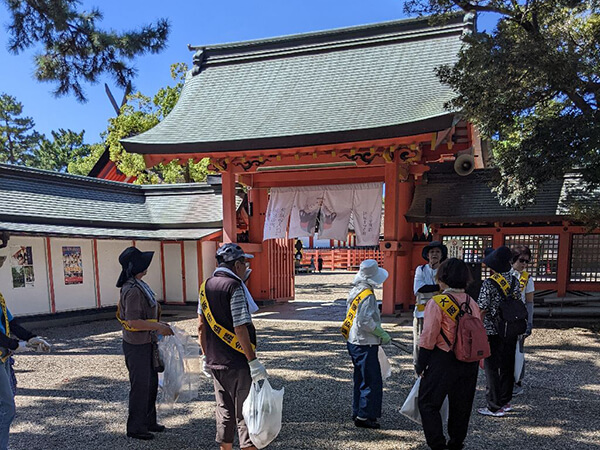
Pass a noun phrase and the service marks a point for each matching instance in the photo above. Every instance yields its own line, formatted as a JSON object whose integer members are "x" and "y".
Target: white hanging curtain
{"x": 278, "y": 213}
{"x": 330, "y": 207}
{"x": 335, "y": 213}
{"x": 307, "y": 204}
{"x": 366, "y": 211}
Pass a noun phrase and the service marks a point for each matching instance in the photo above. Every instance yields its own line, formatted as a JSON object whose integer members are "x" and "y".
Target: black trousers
{"x": 144, "y": 387}
{"x": 500, "y": 371}
{"x": 446, "y": 376}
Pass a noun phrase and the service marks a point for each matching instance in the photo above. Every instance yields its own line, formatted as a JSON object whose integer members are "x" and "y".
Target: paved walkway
{"x": 76, "y": 396}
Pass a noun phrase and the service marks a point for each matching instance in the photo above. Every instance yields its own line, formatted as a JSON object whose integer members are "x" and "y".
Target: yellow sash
{"x": 225, "y": 335}
{"x": 6, "y": 324}
{"x": 501, "y": 281}
{"x": 523, "y": 280}
{"x": 352, "y": 312}
{"x": 124, "y": 323}
{"x": 447, "y": 305}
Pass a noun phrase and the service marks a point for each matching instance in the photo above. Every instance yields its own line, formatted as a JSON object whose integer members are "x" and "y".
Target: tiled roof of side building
{"x": 369, "y": 82}
{"x": 40, "y": 200}
{"x": 454, "y": 199}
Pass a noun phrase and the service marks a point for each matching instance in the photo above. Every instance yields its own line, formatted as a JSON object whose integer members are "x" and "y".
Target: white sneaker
{"x": 487, "y": 412}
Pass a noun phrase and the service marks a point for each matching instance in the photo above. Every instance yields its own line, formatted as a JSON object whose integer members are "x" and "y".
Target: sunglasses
{"x": 523, "y": 260}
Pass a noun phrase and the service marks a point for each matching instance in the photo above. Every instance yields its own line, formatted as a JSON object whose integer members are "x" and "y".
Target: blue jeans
{"x": 7, "y": 404}
{"x": 368, "y": 386}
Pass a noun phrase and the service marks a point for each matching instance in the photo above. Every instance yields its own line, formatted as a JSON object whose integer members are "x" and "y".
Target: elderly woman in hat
{"x": 425, "y": 286}
{"x": 363, "y": 332}
{"x": 500, "y": 366}
{"x": 138, "y": 312}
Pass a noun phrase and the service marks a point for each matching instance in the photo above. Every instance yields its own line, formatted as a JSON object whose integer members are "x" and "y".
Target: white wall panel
{"x": 209, "y": 262}
{"x": 69, "y": 297}
{"x": 109, "y": 269}
{"x": 173, "y": 272}
{"x": 35, "y": 297}
{"x": 191, "y": 271}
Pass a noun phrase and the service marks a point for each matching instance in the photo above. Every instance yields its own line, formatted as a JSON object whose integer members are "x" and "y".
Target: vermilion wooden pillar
{"x": 404, "y": 280}
{"x": 258, "y": 284}
{"x": 397, "y": 243}
{"x": 563, "y": 269}
{"x": 229, "y": 225}
{"x": 389, "y": 246}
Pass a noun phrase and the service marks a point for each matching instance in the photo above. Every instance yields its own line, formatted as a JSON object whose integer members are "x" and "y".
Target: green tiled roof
{"x": 454, "y": 199}
{"x": 367, "y": 82}
{"x": 41, "y": 202}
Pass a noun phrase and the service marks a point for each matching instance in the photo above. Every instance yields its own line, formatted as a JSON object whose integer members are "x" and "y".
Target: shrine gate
{"x": 354, "y": 105}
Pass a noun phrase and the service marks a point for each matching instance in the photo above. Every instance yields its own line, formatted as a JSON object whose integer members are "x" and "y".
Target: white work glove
{"x": 21, "y": 348}
{"x": 39, "y": 345}
{"x": 257, "y": 370}
{"x": 205, "y": 370}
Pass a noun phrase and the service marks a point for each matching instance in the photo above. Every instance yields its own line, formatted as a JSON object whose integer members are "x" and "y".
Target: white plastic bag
{"x": 181, "y": 379}
{"x": 262, "y": 411}
{"x": 519, "y": 361}
{"x": 384, "y": 364}
{"x": 410, "y": 408}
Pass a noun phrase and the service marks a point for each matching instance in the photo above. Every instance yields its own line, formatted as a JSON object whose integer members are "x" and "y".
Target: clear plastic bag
{"x": 410, "y": 408}
{"x": 181, "y": 378}
{"x": 262, "y": 411}
{"x": 384, "y": 364}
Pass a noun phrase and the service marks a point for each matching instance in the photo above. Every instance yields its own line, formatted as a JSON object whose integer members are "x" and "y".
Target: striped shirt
{"x": 239, "y": 308}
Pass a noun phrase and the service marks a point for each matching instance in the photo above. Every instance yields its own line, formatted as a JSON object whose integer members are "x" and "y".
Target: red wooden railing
{"x": 341, "y": 258}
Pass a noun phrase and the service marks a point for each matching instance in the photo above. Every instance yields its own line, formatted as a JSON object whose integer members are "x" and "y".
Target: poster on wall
{"x": 21, "y": 262}
{"x": 73, "y": 267}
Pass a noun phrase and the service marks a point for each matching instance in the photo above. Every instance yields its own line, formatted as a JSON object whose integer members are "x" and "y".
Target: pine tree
{"x": 74, "y": 48}
{"x": 18, "y": 140}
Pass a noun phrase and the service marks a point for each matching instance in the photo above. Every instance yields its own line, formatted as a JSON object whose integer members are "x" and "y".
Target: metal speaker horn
{"x": 464, "y": 165}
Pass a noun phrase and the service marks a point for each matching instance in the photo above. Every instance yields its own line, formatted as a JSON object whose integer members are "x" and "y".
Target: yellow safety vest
{"x": 224, "y": 334}
{"x": 352, "y": 312}
{"x": 6, "y": 325}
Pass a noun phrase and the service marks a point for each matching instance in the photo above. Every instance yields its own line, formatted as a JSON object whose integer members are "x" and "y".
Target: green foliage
{"x": 75, "y": 50}
{"x": 65, "y": 147}
{"x": 532, "y": 86}
{"x": 18, "y": 140}
{"x": 140, "y": 114}
{"x": 83, "y": 164}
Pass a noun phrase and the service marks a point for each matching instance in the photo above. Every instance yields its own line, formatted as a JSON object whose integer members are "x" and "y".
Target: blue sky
{"x": 200, "y": 22}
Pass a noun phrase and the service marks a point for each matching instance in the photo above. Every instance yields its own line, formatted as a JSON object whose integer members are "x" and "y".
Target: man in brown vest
{"x": 228, "y": 340}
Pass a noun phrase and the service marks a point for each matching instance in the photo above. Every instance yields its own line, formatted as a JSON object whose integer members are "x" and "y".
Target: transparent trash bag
{"x": 181, "y": 378}
{"x": 262, "y": 412}
{"x": 410, "y": 408}
{"x": 519, "y": 360}
{"x": 384, "y": 364}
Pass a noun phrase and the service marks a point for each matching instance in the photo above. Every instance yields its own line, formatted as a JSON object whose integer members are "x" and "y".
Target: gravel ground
{"x": 76, "y": 396}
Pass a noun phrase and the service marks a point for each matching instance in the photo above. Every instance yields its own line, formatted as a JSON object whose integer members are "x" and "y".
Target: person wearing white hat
{"x": 364, "y": 334}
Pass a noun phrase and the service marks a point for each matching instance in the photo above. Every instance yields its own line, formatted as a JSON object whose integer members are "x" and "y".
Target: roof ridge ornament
{"x": 469, "y": 23}
{"x": 198, "y": 60}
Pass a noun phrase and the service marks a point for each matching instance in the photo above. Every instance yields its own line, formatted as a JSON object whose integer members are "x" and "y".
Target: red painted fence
{"x": 341, "y": 258}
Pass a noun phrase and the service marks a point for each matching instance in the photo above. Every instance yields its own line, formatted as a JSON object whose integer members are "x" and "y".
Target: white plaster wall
{"x": 154, "y": 275}
{"x": 26, "y": 300}
{"x": 173, "y": 274}
{"x": 209, "y": 263}
{"x": 73, "y": 296}
{"x": 109, "y": 269}
{"x": 191, "y": 271}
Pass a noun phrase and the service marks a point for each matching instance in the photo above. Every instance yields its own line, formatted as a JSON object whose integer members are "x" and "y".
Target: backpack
{"x": 511, "y": 320}
{"x": 471, "y": 342}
